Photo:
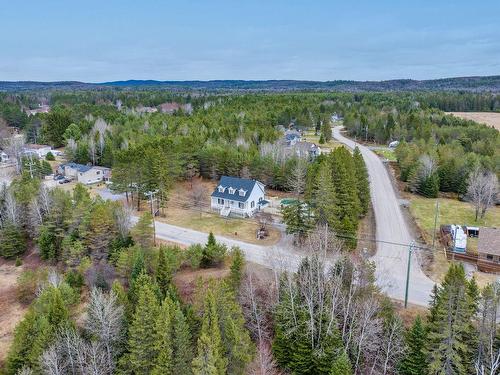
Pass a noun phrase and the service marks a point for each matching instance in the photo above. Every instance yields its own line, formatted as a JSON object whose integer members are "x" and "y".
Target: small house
{"x": 238, "y": 197}
{"x": 307, "y": 150}
{"x": 459, "y": 239}
{"x": 85, "y": 174}
{"x": 292, "y": 137}
{"x": 488, "y": 249}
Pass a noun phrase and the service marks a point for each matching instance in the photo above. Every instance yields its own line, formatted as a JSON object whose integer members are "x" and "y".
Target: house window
{"x": 221, "y": 189}
{"x": 231, "y": 190}
{"x": 489, "y": 256}
{"x": 252, "y": 204}
{"x": 242, "y": 192}
{"x": 241, "y": 205}
{"x": 220, "y": 201}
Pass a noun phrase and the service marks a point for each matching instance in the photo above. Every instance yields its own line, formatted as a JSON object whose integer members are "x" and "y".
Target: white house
{"x": 39, "y": 150}
{"x": 85, "y": 174}
{"x": 238, "y": 197}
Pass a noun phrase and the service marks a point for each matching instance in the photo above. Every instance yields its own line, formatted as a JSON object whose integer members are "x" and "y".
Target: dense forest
{"x": 104, "y": 299}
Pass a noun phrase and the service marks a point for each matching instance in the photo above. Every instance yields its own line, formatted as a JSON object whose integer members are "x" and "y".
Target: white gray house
{"x": 85, "y": 174}
{"x": 238, "y": 197}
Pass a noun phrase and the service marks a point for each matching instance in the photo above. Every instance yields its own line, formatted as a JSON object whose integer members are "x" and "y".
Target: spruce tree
{"x": 451, "y": 328}
{"x": 415, "y": 361}
{"x": 210, "y": 358}
{"x": 181, "y": 343}
{"x": 142, "y": 232}
{"x": 324, "y": 199}
{"x": 142, "y": 354}
{"x": 163, "y": 341}
{"x": 163, "y": 274}
{"x": 362, "y": 181}
{"x": 341, "y": 365}
{"x": 237, "y": 266}
{"x": 12, "y": 241}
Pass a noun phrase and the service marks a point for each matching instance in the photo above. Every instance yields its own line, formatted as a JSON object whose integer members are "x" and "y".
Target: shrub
{"x": 12, "y": 241}
{"x": 75, "y": 280}
{"x": 50, "y": 156}
{"x": 194, "y": 255}
{"x": 27, "y": 284}
{"x": 19, "y": 262}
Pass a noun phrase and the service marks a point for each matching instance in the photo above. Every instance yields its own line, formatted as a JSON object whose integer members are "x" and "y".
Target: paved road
{"x": 391, "y": 260}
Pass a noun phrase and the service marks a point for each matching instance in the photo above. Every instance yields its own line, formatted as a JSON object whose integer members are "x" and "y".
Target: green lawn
{"x": 309, "y": 136}
{"x": 386, "y": 153}
{"x": 451, "y": 211}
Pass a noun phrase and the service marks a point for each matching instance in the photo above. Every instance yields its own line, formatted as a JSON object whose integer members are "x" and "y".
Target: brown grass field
{"x": 488, "y": 118}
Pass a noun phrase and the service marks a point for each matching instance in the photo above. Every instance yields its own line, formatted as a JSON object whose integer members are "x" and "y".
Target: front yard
{"x": 182, "y": 211}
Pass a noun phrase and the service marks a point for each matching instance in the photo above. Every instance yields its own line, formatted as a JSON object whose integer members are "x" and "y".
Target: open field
{"x": 12, "y": 311}
{"x": 182, "y": 212}
{"x": 488, "y": 118}
{"x": 451, "y": 211}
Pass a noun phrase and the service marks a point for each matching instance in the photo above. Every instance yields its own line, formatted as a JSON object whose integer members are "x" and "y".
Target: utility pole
{"x": 151, "y": 195}
{"x": 410, "y": 251}
{"x": 435, "y": 224}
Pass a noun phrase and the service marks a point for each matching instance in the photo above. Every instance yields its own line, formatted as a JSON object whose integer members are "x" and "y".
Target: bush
{"x": 50, "y": 156}
{"x": 75, "y": 280}
{"x": 19, "y": 262}
{"x": 194, "y": 255}
{"x": 213, "y": 252}
{"x": 27, "y": 284}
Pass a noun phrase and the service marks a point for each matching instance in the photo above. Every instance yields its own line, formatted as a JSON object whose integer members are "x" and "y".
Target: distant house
{"x": 85, "y": 174}
{"x": 39, "y": 150}
{"x": 307, "y": 150}
{"x": 142, "y": 109}
{"x": 292, "y": 137}
{"x": 41, "y": 109}
{"x": 172, "y": 107}
{"x": 238, "y": 197}
{"x": 488, "y": 248}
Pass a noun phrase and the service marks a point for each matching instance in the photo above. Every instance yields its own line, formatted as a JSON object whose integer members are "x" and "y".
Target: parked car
{"x": 64, "y": 181}
{"x": 58, "y": 177}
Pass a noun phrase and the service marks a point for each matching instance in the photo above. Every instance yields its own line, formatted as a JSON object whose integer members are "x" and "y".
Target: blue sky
{"x": 106, "y": 40}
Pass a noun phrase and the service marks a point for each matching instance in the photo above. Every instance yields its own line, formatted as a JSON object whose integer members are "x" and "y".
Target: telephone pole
{"x": 151, "y": 195}
{"x": 435, "y": 224}
{"x": 410, "y": 251}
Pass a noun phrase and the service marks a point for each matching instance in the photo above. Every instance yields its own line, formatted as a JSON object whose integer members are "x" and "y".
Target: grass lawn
{"x": 180, "y": 212}
{"x": 451, "y": 211}
{"x": 387, "y": 154}
{"x": 309, "y": 136}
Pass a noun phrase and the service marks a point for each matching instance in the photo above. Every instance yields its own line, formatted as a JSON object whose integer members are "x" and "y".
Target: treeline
{"x": 336, "y": 193}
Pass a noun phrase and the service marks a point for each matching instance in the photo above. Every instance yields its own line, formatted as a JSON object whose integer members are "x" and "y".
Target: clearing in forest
{"x": 488, "y": 118}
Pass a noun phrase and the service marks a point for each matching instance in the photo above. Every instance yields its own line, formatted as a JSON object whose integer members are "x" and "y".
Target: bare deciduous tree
{"x": 297, "y": 180}
{"x": 198, "y": 195}
{"x": 104, "y": 322}
{"x": 482, "y": 190}
{"x": 14, "y": 147}
{"x": 123, "y": 219}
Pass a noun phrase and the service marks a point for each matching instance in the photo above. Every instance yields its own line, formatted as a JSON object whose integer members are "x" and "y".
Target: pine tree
{"x": 237, "y": 266}
{"x": 415, "y": 361}
{"x": 210, "y": 358}
{"x": 12, "y": 241}
{"x": 324, "y": 199}
{"x": 451, "y": 327}
{"x": 298, "y": 219}
{"x": 363, "y": 183}
{"x": 181, "y": 343}
{"x": 142, "y": 353}
{"x": 341, "y": 365}
{"x": 163, "y": 274}
{"x": 163, "y": 340}
{"x": 142, "y": 232}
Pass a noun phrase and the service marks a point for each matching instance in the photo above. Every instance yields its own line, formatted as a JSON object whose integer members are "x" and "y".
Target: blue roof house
{"x": 238, "y": 197}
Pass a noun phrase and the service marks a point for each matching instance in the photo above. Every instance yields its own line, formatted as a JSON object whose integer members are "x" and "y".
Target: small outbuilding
{"x": 488, "y": 249}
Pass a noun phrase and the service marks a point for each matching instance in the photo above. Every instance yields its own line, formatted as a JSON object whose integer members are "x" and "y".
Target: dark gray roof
{"x": 79, "y": 167}
{"x": 237, "y": 184}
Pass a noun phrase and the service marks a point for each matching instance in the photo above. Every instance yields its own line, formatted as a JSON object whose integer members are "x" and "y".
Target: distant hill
{"x": 469, "y": 84}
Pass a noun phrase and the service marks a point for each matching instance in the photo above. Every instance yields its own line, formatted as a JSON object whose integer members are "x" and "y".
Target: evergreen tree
{"x": 324, "y": 199}
{"x": 142, "y": 232}
{"x": 363, "y": 183}
{"x": 210, "y": 358}
{"x": 181, "y": 343}
{"x": 163, "y": 273}
{"x": 451, "y": 327}
{"x": 298, "y": 219}
{"x": 415, "y": 361}
{"x": 142, "y": 353}
{"x": 341, "y": 365}
{"x": 163, "y": 341}
{"x": 237, "y": 266}
{"x": 12, "y": 241}
{"x": 213, "y": 252}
